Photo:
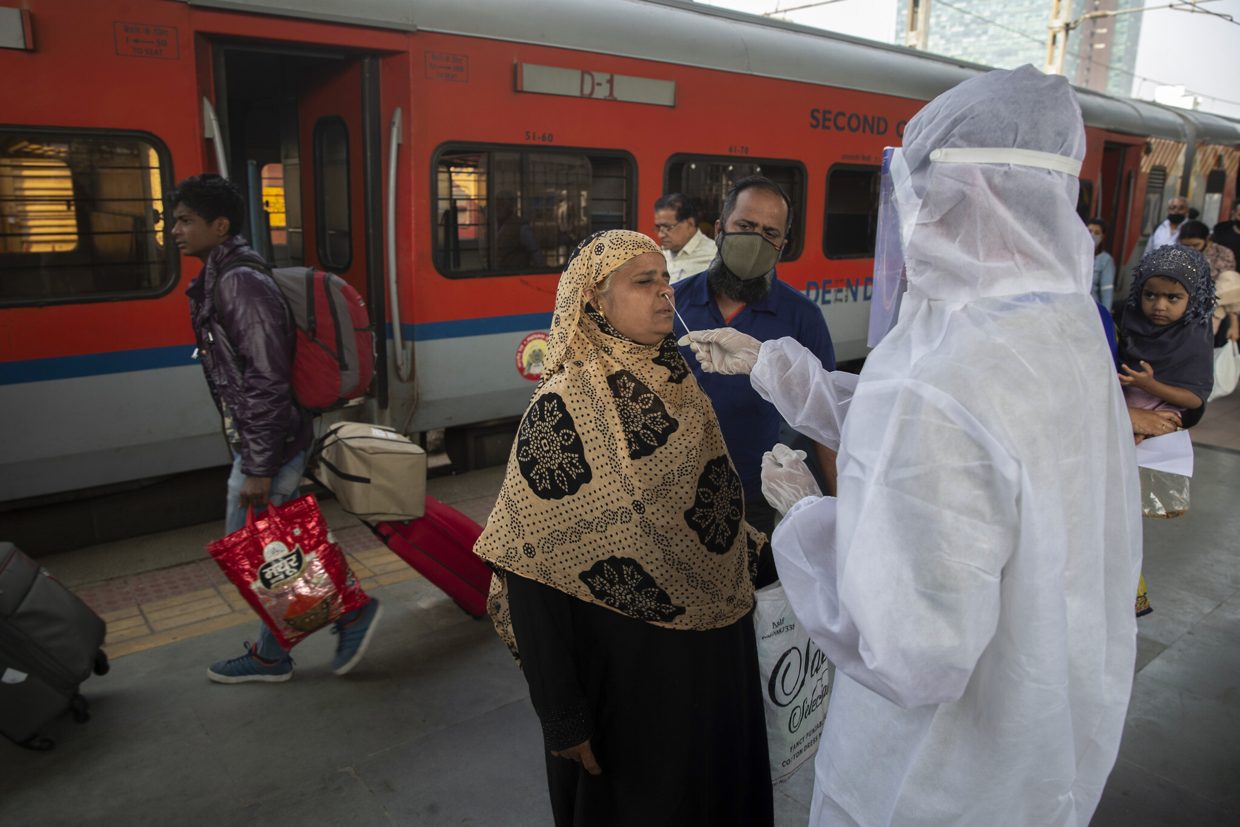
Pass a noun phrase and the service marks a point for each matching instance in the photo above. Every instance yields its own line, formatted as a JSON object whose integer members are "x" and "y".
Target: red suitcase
{"x": 440, "y": 545}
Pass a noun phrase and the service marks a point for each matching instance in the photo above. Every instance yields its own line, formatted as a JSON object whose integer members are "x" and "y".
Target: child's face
{"x": 1163, "y": 300}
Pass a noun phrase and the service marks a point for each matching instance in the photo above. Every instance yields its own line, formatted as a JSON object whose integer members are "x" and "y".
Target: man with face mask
{"x": 1168, "y": 231}
{"x": 972, "y": 581}
{"x": 741, "y": 291}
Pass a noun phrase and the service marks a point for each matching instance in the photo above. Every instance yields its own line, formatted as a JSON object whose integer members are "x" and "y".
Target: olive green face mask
{"x": 747, "y": 255}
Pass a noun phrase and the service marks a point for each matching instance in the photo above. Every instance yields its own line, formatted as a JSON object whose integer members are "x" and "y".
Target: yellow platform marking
{"x": 177, "y": 601}
{"x": 154, "y": 623}
{"x": 399, "y": 576}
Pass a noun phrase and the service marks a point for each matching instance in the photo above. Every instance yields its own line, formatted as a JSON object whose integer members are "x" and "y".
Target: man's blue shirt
{"x": 750, "y": 424}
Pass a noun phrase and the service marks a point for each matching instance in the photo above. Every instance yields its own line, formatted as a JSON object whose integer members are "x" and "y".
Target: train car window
{"x": 81, "y": 216}
{"x": 508, "y": 210}
{"x": 331, "y": 185}
{"x": 852, "y": 211}
{"x": 709, "y": 177}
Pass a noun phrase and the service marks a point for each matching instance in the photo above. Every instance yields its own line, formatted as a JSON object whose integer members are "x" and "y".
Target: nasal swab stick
{"x": 677, "y": 312}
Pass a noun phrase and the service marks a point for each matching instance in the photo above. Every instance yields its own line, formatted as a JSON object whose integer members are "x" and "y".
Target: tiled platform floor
{"x": 155, "y": 608}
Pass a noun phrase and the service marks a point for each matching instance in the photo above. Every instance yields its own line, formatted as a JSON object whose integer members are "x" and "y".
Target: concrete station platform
{"x": 434, "y": 727}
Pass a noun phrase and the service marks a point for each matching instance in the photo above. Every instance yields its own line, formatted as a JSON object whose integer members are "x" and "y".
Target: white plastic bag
{"x": 1226, "y": 370}
{"x": 796, "y": 683}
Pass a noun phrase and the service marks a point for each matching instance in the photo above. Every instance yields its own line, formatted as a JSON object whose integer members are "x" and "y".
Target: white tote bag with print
{"x": 796, "y": 683}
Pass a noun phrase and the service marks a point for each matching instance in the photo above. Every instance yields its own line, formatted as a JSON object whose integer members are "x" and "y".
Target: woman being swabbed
{"x": 624, "y": 563}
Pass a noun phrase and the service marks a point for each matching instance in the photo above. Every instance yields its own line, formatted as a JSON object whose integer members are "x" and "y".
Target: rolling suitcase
{"x": 49, "y": 644}
{"x": 440, "y": 545}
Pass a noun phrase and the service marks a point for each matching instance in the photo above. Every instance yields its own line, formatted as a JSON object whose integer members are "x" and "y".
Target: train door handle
{"x": 211, "y": 131}
{"x": 404, "y": 351}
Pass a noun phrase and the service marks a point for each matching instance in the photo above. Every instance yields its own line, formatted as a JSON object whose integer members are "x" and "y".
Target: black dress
{"x": 674, "y": 717}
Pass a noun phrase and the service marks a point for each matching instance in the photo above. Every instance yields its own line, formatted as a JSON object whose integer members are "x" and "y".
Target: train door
{"x": 1115, "y": 203}
{"x": 293, "y": 124}
{"x": 1114, "y": 197}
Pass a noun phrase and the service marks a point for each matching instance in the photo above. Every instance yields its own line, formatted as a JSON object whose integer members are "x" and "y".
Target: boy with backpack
{"x": 245, "y": 336}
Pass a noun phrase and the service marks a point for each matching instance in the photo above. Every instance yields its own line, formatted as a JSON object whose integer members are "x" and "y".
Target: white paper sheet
{"x": 1172, "y": 453}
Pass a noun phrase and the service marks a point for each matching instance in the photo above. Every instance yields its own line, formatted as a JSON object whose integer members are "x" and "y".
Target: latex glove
{"x": 786, "y": 479}
{"x": 723, "y": 350}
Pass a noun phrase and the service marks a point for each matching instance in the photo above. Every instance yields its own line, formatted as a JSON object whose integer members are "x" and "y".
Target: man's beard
{"x": 747, "y": 291}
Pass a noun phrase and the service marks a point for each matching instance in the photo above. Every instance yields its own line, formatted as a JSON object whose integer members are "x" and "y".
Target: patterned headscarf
{"x": 619, "y": 490}
{"x": 1181, "y": 353}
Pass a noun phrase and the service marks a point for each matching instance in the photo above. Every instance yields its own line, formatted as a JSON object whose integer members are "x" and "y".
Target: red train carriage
{"x": 444, "y": 158}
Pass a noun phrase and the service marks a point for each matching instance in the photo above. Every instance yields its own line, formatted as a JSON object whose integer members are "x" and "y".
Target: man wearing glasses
{"x": 687, "y": 249}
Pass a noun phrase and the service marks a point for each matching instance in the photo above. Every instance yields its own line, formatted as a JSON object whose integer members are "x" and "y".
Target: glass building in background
{"x": 1102, "y": 52}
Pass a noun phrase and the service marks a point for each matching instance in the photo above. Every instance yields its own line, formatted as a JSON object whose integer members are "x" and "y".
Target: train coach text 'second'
{"x": 837, "y": 120}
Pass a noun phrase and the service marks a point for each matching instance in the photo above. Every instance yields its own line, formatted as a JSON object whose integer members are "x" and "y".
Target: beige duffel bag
{"x": 375, "y": 473}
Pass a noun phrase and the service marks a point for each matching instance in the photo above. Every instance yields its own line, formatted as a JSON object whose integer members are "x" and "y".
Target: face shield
{"x": 900, "y": 206}
{"x": 889, "y": 277}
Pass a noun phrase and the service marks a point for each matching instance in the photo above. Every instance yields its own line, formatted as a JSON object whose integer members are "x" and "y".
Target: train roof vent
{"x": 1158, "y": 179}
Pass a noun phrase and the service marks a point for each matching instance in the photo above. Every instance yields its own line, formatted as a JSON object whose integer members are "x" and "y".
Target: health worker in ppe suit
{"x": 973, "y": 580}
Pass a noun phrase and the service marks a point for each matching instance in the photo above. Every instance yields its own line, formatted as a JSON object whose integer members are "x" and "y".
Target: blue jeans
{"x": 285, "y": 486}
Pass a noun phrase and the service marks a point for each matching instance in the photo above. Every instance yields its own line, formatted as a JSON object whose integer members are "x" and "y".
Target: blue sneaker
{"x": 354, "y": 631}
{"x": 250, "y": 667}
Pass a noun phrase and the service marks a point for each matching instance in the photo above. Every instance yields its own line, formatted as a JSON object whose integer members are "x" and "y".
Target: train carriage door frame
{"x": 300, "y": 126}
{"x": 1114, "y": 200}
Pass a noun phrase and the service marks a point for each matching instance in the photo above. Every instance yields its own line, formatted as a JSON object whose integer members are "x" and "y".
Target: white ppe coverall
{"x": 974, "y": 580}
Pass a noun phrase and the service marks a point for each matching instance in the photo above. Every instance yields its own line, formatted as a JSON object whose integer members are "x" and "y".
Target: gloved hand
{"x": 786, "y": 479}
{"x": 723, "y": 350}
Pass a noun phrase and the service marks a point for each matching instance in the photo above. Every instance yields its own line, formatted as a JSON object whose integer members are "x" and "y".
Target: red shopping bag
{"x": 287, "y": 566}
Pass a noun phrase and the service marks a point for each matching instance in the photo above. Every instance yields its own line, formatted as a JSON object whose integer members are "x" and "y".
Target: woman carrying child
{"x": 1166, "y": 344}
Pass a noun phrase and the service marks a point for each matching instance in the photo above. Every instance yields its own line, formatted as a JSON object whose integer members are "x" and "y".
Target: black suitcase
{"x": 49, "y": 644}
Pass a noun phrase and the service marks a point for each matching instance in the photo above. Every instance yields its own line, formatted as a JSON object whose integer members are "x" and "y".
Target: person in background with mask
{"x": 687, "y": 249}
{"x": 1168, "y": 231}
{"x": 1104, "y": 265}
{"x": 973, "y": 580}
{"x": 741, "y": 290}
